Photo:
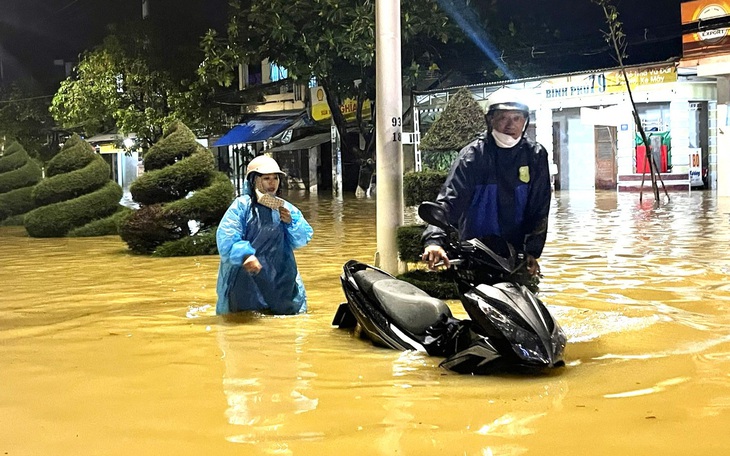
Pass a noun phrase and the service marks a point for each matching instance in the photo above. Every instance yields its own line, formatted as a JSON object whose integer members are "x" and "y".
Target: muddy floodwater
{"x": 107, "y": 353}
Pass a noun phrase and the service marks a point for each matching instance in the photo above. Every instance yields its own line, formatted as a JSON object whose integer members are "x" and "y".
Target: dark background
{"x": 34, "y": 33}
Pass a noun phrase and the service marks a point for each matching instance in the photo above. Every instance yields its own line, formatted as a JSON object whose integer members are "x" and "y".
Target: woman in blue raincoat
{"x": 256, "y": 241}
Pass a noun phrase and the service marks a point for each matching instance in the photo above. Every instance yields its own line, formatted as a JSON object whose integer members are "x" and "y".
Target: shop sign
{"x": 321, "y": 110}
{"x": 608, "y": 81}
{"x": 695, "y": 167}
{"x": 705, "y": 42}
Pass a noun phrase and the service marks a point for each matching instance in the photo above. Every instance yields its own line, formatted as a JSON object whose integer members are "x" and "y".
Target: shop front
{"x": 585, "y": 121}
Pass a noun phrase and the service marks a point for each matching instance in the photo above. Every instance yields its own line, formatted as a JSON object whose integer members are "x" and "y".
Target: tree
{"x": 117, "y": 86}
{"x": 24, "y": 116}
{"x": 331, "y": 40}
{"x": 617, "y": 39}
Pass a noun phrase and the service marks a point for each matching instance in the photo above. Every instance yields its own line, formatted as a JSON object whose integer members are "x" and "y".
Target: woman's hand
{"x": 284, "y": 215}
{"x": 434, "y": 254}
{"x": 251, "y": 264}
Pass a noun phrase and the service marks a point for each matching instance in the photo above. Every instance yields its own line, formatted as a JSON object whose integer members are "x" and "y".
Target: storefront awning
{"x": 254, "y": 131}
{"x": 303, "y": 143}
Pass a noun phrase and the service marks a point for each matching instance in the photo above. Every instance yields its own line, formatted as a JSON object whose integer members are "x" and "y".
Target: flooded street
{"x": 108, "y": 353}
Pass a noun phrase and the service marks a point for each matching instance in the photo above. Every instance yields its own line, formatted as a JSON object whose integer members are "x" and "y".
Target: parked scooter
{"x": 508, "y": 328}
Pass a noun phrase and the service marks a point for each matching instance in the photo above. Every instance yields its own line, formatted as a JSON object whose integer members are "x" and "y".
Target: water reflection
{"x": 110, "y": 353}
{"x": 261, "y": 396}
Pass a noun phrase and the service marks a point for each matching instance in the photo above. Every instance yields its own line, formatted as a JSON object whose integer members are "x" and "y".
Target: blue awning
{"x": 254, "y": 131}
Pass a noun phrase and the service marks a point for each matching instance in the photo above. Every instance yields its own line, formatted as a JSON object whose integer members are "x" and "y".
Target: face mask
{"x": 504, "y": 141}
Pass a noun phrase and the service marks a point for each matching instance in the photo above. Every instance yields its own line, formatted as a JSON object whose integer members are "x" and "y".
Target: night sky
{"x": 34, "y": 33}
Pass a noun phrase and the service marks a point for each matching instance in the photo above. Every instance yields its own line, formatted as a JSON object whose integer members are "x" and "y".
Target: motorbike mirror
{"x": 434, "y": 214}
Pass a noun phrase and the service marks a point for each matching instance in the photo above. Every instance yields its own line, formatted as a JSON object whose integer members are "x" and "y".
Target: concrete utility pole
{"x": 388, "y": 124}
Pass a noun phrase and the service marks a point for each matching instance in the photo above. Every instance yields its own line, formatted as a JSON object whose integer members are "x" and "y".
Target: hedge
{"x": 56, "y": 220}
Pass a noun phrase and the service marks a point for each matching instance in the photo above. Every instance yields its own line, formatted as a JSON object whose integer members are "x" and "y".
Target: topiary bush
{"x": 18, "y": 174}
{"x": 78, "y": 190}
{"x": 438, "y": 284}
{"x": 408, "y": 241}
{"x": 422, "y": 186}
{"x": 459, "y": 124}
{"x": 103, "y": 227}
{"x": 180, "y": 185}
{"x": 200, "y": 244}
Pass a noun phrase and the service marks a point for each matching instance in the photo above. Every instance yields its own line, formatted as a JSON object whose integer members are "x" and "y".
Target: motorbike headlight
{"x": 526, "y": 345}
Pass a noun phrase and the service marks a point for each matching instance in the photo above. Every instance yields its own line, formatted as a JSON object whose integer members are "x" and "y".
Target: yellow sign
{"x": 615, "y": 81}
{"x": 109, "y": 149}
{"x": 321, "y": 111}
{"x": 608, "y": 82}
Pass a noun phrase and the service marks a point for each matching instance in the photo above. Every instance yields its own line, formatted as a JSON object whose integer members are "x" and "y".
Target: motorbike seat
{"x": 410, "y": 307}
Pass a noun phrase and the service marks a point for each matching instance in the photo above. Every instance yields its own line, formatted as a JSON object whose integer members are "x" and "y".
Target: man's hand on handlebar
{"x": 435, "y": 255}
{"x": 532, "y": 266}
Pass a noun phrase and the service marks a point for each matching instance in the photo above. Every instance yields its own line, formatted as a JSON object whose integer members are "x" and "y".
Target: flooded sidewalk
{"x": 109, "y": 353}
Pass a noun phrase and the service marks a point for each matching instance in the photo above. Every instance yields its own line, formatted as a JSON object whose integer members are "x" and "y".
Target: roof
{"x": 254, "y": 130}
{"x": 303, "y": 143}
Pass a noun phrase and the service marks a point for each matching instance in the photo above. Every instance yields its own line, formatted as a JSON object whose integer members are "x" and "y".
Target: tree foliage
{"x": 117, "y": 86}
{"x": 331, "y": 40}
{"x": 24, "y": 116}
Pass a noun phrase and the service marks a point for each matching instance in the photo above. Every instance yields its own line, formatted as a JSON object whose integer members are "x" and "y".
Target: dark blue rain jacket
{"x": 491, "y": 191}
{"x": 249, "y": 228}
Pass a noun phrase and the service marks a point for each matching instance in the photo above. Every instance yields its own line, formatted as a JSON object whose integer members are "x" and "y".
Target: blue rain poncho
{"x": 247, "y": 229}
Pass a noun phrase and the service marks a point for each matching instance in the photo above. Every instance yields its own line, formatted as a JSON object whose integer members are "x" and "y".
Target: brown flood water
{"x": 106, "y": 353}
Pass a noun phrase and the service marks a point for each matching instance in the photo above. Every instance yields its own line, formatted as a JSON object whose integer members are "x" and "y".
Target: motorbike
{"x": 509, "y": 328}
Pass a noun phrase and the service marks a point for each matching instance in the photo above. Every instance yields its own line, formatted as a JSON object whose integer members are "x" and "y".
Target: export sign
{"x": 705, "y": 42}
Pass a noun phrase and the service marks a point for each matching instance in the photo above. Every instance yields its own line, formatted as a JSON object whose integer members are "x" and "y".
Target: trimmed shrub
{"x": 77, "y": 191}
{"x": 174, "y": 182}
{"x": 93, "y": 175}
{"x": 25, "y": 176}
{"x": 408, "y": 241}
{"x": 459, "y": 124}
{"x": 77, "y": 153}
{"x": 14, "y": 220}
{"x": 438, "y": 284}
{"x": 181, "y": 185}
{"x": 207, "y": 205}
{"x": 15, "y": 202}
{"x": 199, "y": 244}
{"x": 149, "y": 227}
{"x": 103, "y": 227}
{"x": 422, "y": 186}
{"x": 56, "y": 220}
{"x": 18, "y": 174}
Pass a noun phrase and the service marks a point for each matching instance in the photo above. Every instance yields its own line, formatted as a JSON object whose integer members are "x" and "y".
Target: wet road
{"x": 107, "y": 353}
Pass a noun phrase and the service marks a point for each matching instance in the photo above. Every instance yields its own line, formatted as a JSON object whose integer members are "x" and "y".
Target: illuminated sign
{"x": 321, "y": 110}
{"x": 705, "y": 42}
{"x": 608, "y": 81}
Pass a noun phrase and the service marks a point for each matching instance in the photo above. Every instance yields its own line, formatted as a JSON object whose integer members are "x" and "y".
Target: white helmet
{"x": 264, "y": 165}
{"x": 506, "y": 99}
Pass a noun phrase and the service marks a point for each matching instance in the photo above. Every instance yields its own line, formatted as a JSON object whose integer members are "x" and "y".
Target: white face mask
{"x": 505, "y": 141}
